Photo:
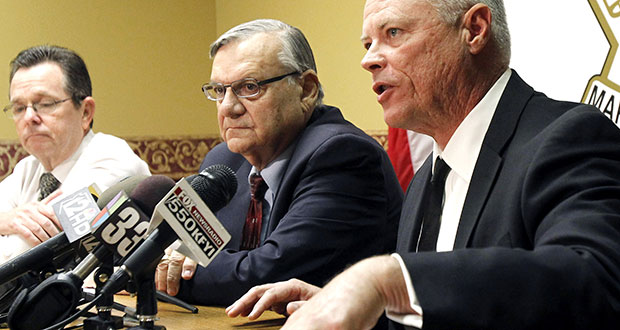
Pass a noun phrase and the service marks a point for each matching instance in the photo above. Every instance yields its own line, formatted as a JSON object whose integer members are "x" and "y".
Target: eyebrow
{"x": 381, "y": 27}
{"x": 39, "y": 95}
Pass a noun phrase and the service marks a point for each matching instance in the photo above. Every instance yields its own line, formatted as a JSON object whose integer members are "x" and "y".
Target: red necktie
{"x": 253, "y": 221}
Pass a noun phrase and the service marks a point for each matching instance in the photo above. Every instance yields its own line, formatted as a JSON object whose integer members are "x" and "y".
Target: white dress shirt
{"x": 461, "y": 154}
{"x": 101, "y": 159}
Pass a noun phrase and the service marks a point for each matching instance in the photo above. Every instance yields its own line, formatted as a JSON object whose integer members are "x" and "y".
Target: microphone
{"x": 39, "y": 257}
{"x": 59, "y": 294}
{"x": 186, "y": 216}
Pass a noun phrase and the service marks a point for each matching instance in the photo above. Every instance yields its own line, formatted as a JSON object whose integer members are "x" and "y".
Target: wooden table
{"x": 177, "y": 318}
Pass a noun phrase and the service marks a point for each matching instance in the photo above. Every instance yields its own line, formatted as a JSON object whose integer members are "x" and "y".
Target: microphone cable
{"x": 75, "y": 316}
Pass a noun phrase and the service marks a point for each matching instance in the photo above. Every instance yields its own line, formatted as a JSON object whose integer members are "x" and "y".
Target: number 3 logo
{"x": 116, "y": 233}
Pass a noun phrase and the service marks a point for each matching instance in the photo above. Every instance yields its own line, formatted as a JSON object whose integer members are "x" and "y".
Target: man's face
{"x": 53, "y": 137}
{"x": 412, "y": 57}
{"x": 262, "y": 126}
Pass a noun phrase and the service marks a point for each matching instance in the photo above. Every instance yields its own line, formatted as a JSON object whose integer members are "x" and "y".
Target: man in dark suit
{"x": 332, "y": 197}
{"x": 527, "y": 231}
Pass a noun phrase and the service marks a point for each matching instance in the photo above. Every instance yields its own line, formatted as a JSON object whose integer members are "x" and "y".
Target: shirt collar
{"x": 62, "y": 171}
{"x": 461, "y": 152}
{"x": 272, "y": 174}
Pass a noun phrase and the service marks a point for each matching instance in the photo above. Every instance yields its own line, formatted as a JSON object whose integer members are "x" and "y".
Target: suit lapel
{"x": 239, "y": 204}
{"x": 502, "y": 127}
{"x": 298, "y": 162}
{"x": 412, "y": 210}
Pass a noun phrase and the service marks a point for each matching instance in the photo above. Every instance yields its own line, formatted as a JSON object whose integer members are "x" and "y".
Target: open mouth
{"x": 380, "y": 88}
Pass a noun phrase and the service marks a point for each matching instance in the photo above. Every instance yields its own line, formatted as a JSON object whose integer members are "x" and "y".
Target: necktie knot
{"x": 47, "y": 184}
{"x": 258, "y": 187}
{"x": 254, "y": 220}
{"x": 440, "y": 173}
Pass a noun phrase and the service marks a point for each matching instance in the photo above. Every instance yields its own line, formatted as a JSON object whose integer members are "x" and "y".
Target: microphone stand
{"x": 146, "y": 306}
{"x": 104, "y": 320}
{"x": 176, "y": 301}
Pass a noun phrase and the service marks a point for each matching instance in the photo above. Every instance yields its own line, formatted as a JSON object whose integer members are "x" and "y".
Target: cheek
{"x": 220, "y": 121}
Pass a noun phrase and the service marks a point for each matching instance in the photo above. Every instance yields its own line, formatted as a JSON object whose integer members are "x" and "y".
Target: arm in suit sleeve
{"x": 564, "y": 197}
{"x": 339, "y": 212}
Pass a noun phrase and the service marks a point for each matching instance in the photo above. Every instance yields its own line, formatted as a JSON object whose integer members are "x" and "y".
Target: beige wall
{"x": 148, "y": 58}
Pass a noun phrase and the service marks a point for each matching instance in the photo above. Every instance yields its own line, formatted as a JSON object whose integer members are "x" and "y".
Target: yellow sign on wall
{"x": 603, "y": 90}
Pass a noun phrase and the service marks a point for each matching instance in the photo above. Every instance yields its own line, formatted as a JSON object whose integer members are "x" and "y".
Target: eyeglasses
{"x": 246, "y": 87}
{"x": 17, "y": 111}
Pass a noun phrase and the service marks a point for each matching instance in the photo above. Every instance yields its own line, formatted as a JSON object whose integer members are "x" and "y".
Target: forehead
{"x": 379, "y": 13}
{"x": 255, "y": 57}
{"x": 43, "y": 78}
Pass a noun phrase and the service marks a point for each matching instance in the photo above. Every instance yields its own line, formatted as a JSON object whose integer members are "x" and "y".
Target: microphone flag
{"x": 201, "y": 234}
{"x": 75, "y": 213}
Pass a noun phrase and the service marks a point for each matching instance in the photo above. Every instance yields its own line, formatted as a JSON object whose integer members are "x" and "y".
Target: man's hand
{"x": 172, "y": 267}
{"x": 34, "y": 221}
{"x": 356, "y": 298}
{"x": 282, "y": 297}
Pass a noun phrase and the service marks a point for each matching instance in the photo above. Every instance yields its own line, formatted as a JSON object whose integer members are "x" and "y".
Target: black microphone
{"x": 40, "y": 256}
{"x": 57, "y": 296}
{"x": 215, "y": 187}
{"x": 58, "y": 246}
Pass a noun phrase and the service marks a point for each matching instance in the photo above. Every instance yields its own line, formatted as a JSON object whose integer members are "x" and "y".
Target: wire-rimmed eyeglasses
{"x": 246, "y": 87}
{"x": 17, "y": 111}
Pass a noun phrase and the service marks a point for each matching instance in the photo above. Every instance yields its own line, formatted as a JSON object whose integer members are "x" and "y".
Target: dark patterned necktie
{"x": 254, "y": 219}
{"x": 432, "y": 214}
{"x": 47, "y": 184}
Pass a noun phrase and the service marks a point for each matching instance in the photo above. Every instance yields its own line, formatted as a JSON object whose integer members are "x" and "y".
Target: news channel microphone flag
{"x": 571, "y": 55}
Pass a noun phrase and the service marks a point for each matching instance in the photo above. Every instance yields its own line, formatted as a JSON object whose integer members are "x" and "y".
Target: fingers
{"x": 175, "y": 268}
{"x": 47, "y": 210}
{"x": 274, "y": 297}
{"x": 292, "y": 307}
{"x": 35, "y": 222}
{"x": 51, "y": 196}
{"x": 161, "y": 274}
{"x": 189, "y": 268}
{"x": 243, "y": 306}
{"x": 172, "y": 267}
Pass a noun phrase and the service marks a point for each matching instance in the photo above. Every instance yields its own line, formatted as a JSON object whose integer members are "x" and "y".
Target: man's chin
{"x": 39, "y": 150}
{"x": 393, "y": 119}
{"x": 237, "y": 145}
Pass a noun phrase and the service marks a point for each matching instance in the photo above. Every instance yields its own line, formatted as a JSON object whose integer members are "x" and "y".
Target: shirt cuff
{"x": 414, "y": 320}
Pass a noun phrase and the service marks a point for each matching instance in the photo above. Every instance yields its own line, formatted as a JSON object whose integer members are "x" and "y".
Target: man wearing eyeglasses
{"x": 329, "y": 193}
{"x": 52, "y": 106}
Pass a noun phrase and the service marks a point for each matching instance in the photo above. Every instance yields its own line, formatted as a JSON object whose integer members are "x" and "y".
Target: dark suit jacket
{"x": 538, "y": 243}
{"x": 339, "y": 201}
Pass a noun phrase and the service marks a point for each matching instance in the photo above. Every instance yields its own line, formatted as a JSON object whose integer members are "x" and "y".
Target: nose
{"x": 230, "y": 105}
{"x": 30, "y": 114}
{"x": 373, "y": 60}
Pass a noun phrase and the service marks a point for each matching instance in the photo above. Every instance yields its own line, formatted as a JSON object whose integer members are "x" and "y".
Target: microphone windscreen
{"x": 151, "y": 191}
{"x": 216, "y": 185}
{"x": 191, "y": 178}
{"x": 127, "y": 184}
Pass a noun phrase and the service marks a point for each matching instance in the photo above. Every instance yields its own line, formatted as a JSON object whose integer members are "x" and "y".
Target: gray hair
{"x": 295, "y": 54}
{"x": 451, "y": 12}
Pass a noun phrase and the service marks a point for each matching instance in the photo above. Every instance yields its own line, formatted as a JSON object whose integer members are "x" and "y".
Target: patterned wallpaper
{"x": 175, "y": 157}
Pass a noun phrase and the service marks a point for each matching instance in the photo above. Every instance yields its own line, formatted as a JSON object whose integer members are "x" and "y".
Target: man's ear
{"x": 309, "y": 89}
{"x": 89, "y": 112}
{"x": 477, "y": 28}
